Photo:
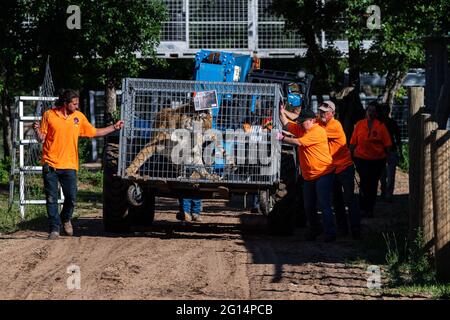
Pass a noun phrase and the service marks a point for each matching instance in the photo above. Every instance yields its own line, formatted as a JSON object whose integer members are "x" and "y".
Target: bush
{"x": 5, "y": 169}
{"x": 420, "y": 262}
{"x": 411, "y": 267}
{"x": 404, "y": 159}
{"x": 84, "y": 150}
{"x": 94, "y": 179}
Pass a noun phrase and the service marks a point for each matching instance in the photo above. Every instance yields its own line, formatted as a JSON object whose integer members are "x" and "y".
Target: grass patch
{"x": 10, "y": 221}
{"x": 433, "y": 291}
{"x": 410, "y": 268}
{"x": 89, "y": 197}
{"x": 90, "y": 181}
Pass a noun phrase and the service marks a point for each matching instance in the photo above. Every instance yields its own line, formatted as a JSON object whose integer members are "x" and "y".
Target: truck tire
{"x": 278, "y": 204}
{"x": 118, "y": 214}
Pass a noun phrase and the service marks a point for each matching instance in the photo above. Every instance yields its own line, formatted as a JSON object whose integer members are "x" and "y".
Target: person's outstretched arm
{"x": 107, "y": 130}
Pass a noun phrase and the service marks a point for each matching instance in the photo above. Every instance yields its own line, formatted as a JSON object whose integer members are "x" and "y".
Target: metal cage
{"x": 200, "y": 132}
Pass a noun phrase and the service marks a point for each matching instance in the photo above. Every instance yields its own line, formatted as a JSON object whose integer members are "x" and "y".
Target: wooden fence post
{"x": 426, "y": 190}
{"x": 416, "y": 101}
{"x": 440, "y": 158}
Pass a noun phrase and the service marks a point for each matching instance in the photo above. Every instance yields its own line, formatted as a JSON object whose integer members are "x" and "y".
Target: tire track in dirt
{"x": 218, "y": 259}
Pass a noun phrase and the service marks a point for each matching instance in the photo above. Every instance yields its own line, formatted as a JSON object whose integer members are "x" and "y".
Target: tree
{"x": 14, "y": 41}
{"x": 398, "y": 45}
{"x": 113, "y": 34}
{"x": 309, "y": 18}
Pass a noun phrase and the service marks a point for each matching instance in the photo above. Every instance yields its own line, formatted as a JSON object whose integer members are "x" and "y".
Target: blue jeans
{"x": 344, "y": 195}
{"x": 255, "y": 201}
{"x": 318, "y": 192}
{"x": 67, "y": 178}
{"x": 192, "y": 206}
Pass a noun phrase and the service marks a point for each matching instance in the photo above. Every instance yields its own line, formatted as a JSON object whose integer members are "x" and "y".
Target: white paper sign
{"x": 205, "y": 100}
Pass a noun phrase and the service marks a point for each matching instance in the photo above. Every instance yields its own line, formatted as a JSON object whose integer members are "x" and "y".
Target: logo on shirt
{"x": 76, "y": 121}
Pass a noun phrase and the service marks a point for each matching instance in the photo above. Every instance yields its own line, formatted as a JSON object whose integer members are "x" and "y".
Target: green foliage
{"x": 92, "y": 180}
{"x": 394, "y": 258}
{"x": 420, "y": 261}
{"x": 397, "y": 45}
{"x": 412, "y": 266}
{"x": 84, "y": 150}
{"x": 404, "y": 159}
{"x": 10, "y": 221}
{"x": 5, "y": 167}
{"x": 116, "y": 115}
{"x": 114, "y": 31}
{"x": 434, "y": 291}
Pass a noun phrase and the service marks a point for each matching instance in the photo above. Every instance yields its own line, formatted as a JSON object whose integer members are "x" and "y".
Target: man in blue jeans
{"x": 191, "y": 208}
{"x": 59, "y": 131}
{"x": 344, "y": 180}
{"x": 317, "y": 170}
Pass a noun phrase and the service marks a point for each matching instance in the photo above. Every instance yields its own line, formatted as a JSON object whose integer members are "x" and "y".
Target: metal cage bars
{"x": 166, "y": 138}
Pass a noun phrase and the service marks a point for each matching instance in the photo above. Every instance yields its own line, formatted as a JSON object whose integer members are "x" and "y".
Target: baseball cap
{"x": 306, "y": 115}
{"x": 327, "y": 106}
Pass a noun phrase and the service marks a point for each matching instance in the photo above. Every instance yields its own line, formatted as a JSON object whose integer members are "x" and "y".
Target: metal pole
{"x": 21, "y": 164}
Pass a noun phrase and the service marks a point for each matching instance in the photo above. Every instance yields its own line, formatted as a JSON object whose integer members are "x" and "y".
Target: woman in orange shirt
{"x": 369, "y": 145}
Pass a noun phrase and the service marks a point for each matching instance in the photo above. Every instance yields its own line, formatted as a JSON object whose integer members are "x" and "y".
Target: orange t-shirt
{"x": 314, "y": 153}
{"x": 60, "y": 149}
{"x": 370, "y": 145}
{"x": 338, "y": 145}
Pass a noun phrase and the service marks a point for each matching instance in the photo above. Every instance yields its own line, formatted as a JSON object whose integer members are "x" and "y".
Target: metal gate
{"x": 200, "y": 132}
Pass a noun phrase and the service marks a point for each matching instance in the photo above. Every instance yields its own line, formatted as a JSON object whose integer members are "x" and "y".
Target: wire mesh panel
{"x": 191, "y": 131}
{"x": 218, "y": 24}
{"x": 238, "y": 25}
{"x": 175, "y": 28}
{"x": 272, "y": 33}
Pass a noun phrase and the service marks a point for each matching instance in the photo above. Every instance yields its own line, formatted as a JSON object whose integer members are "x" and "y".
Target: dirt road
{"x": 228, "y": 256}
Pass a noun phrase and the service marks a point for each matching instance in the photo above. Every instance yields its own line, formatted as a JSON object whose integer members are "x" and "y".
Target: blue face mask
{"x": 294, "y": 100}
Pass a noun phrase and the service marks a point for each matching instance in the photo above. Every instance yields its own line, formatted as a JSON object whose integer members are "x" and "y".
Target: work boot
{"x": 196, "y": 218}
{"x": 180, "y": 215}
{"x": 187, "y": 217}
{"x": 68, "y": 230}
{"x": 53, "y": 235}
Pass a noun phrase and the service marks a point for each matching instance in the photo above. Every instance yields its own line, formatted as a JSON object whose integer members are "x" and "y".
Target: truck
{"x": 212, "y": 137}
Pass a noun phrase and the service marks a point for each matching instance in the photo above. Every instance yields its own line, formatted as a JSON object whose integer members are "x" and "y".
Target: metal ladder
{"x": 20, "y": 141}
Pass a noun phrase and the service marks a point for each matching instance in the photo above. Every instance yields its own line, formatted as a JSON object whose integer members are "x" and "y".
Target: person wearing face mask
{"x": 344, "y": 179}
{"x": 317, "y": 169}
{"x": 370, "y": 144}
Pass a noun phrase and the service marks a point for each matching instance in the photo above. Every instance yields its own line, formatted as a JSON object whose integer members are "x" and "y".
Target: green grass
{"x": 410, "y": 268}
{"x": 89, "y": 197}
{"x": 90, "y": 181}
{"x": 10, "y": 221}
{"x": 433, "y": 291}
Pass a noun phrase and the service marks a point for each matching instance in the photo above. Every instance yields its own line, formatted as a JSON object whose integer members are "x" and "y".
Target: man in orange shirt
{"x": 370, "y": 145}
{"x": 344, "y": 178}
{"x": 59, "y": 130}
{"x": 317, "y": 169}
